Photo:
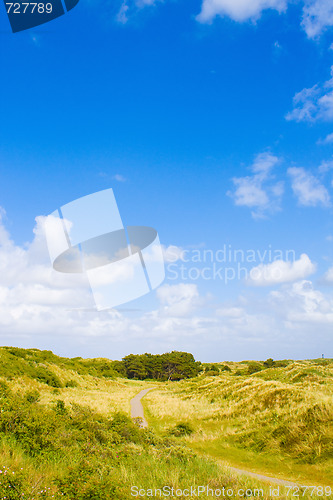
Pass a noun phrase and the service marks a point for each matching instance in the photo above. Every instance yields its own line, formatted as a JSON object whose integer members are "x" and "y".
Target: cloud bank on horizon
{"x": 36, "y": 302}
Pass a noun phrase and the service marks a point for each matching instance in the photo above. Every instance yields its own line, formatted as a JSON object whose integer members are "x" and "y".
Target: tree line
{"x": 175, "y": 365}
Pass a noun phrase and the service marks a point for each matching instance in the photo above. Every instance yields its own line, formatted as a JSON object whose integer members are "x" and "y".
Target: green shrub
{"x": 225, "y": 368}
{"x": 182, "y": 429}
{"x": 47, "y": 377}
{"x": 212, "y": 368}
{"x": 32, "y": 396}
{"x": 212, "y": 373}
{"x": 71, "y": 383}
{"x": 281, "y": 364}
{"x": 60, "y": 407}
{"x": 253, "y": 368}
{"x": 125, "y": 428}
{"x": 269, "y": 363}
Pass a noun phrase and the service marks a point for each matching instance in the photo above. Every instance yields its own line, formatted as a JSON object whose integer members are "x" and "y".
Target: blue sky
{"x": 212, "y": 122}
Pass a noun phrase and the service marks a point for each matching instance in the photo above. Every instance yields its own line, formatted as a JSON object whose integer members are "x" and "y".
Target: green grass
{"x": 65, "y": 430}
{"x": 71, "y": 451}
{"x": 277, "y": 421}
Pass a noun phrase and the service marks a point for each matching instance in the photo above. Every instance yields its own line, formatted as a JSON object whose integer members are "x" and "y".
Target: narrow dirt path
{"x": 137, "y": 408}
{"x": 137, "y": 411}
{"x": 274, "y": 480}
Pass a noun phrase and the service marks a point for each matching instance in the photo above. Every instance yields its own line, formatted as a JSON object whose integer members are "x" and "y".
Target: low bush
{"x": 182, "y": 429}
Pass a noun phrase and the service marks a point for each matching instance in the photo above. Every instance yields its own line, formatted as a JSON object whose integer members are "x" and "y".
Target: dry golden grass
{"x": 280, "y": 417}
{"x": 101, "y": 395}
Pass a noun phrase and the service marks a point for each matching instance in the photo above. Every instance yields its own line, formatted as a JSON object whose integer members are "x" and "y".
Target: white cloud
{"x": 328, "y": 276}
{"x": 302, "y": 304}
{"x": 327, "y": 140}
{"x": 317, "y": 16}
{"x": 313, "y": 104}
{"x": 238, "y": 10}
{"x": 230, "y": 312}
{"x": 178, "y": 300}
{"x": 263, "y": 164}
{"x": 119, "y": 178}
{"x": 281, "y": 271}
{"x": 305, "y": 105}
{"x": 257, "y": 191}
{"x": 325, "y": 166}
{"x": 42, "y": 308}
{"x": 131, "y": 7}
{"x": 122, "y": 16}
{"x": 277, "y": 49}
{"x": 37, "y": 302}
{"x": 308, "y": 189}
{"x": 172, "y": 253}
{"x": 144, "y": 3}
{"x": 249, "y": 192}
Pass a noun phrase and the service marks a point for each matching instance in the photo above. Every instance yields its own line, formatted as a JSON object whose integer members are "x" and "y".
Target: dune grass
{"x": 276, "y": 421}
{"x": 57, "y": 450}
{"x": 65, "y": 430}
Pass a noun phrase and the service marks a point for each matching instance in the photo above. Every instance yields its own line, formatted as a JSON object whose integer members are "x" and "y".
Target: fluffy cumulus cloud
{"x": 42, "y": 308}
{"x": 317, "y": 16}
{"x": 280, "y": 271}
{"x": 37, "y": 302}
{"x": 328, "y": 276}
{"x": 179, "y": 300}
{"x": 259, "y": 191}
{"x": 308, "y": 189}
{"x": 300, "y": 303}
{"x": 313, "y": 104}
{"x": 33, "y": 295}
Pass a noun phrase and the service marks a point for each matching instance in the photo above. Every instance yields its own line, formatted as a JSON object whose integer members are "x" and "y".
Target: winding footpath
{"x": 137, "y": 408}
{"x": 137, "y": 412}
{"x": 274, "y": 480}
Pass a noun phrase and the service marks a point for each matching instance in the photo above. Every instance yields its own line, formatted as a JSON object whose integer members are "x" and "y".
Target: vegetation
{"x": 77, "y": 441}
{"x": 36, "y": 364}
{"x": 170, "y": 366}
{"x": 86, "y": 455}
{"x": 278, "y": 416}
{"x": 65, "y": 430}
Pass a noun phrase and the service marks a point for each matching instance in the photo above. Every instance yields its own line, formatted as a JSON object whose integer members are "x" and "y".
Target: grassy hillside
{"x": 65, "y": 430}
{"x": 277, "y": 420}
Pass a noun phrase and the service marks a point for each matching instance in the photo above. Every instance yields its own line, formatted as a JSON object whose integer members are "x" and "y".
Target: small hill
{"x": 279, "y": 417}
